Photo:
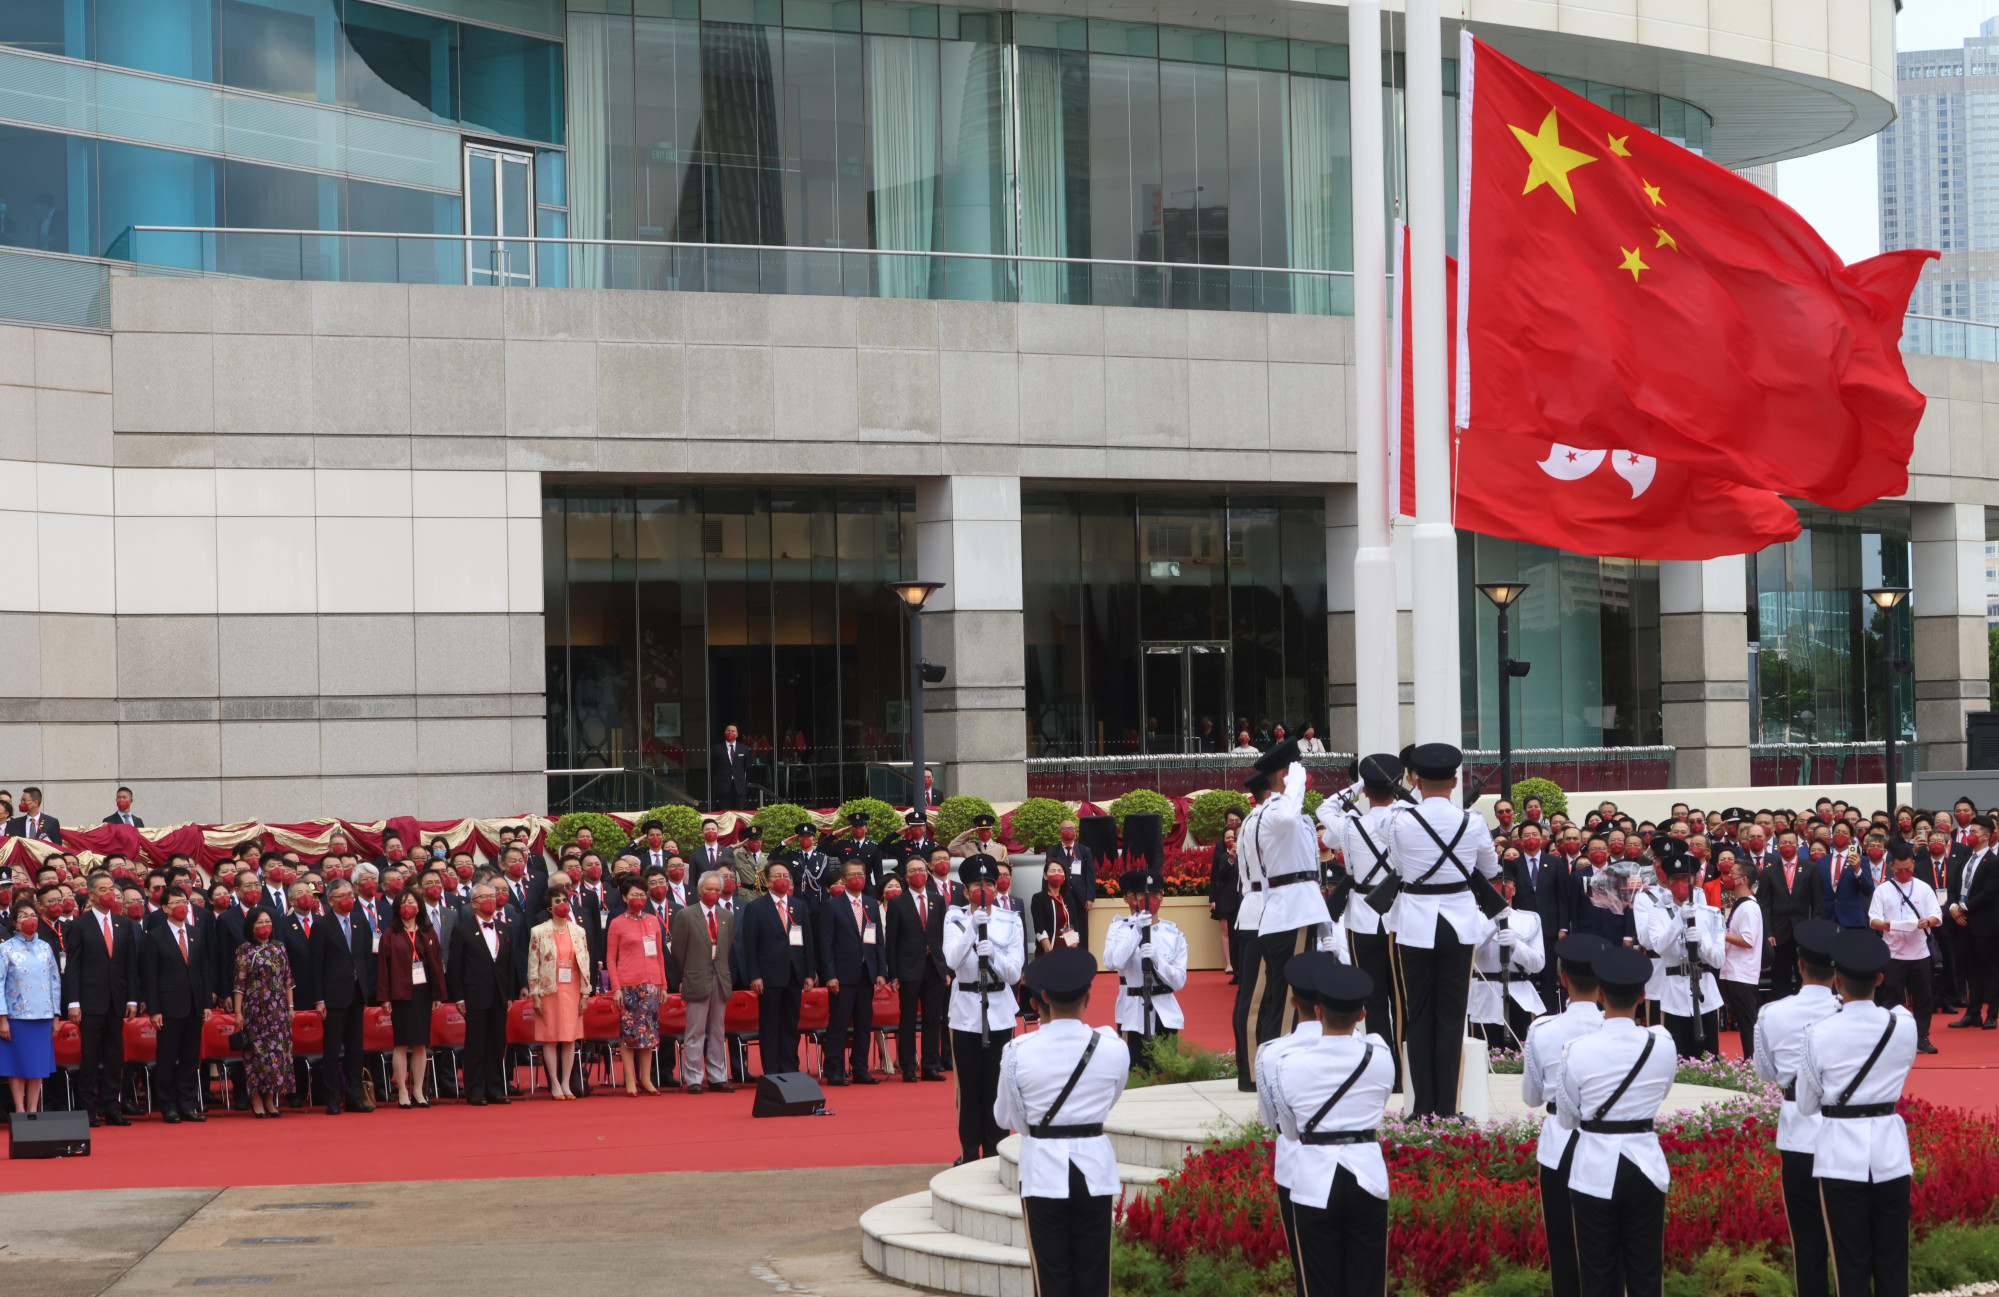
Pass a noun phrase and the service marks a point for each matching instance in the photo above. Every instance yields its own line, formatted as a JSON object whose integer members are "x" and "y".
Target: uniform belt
{"x": 1680, "y": 970}
{"x": 1256, "y": 887}
{"x": 1140, "y": 989}
{"x": 1510, "y": 975}
{"x": 993, "y": 986}
{"x": 1067, "y": 1132}
{"x": 1858, "y": 1110}
{"x": 1618, "y": 1127}
{"x": 1791, "y": 1092}
{"x": 1437, "y": 889}
{"x": 1320, "y": 1138}
{"x": 1302, "y": 876}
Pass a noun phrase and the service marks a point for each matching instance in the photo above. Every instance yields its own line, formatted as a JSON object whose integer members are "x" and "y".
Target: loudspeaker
{"x": 49, "y": 1134}
{"x": 1099, "y": 834}
{"x": 788, "y": 1094}
{"x": 1143, "y": 841}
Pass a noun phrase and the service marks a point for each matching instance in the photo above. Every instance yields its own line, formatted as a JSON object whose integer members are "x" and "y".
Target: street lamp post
{"x": 1887, "y": 599}
{"x": 1503, "y": 595}
{"x": 914, "y": 594}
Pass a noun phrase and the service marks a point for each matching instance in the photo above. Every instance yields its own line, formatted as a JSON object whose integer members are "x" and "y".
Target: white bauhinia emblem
{"x": 1572, "y": 464}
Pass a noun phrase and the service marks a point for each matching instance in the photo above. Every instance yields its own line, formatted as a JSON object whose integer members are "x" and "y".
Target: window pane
{"x": 45, "y": 191}
{"x": 175, "y": 38}
{"x": 284, "y": 50}
{"x": 46, "y": 26}
{"x": 512, "y": 85}
{"x": 141, "y": 186}
{"x": 668, "y": 85}
{"x": 399, "y": 63}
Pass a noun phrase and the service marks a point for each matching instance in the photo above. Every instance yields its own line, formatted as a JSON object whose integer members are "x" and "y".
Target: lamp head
{"x": 915, "y": 593}
{"x": 1503, "y": 594}
{"x": 1887, "y": 597}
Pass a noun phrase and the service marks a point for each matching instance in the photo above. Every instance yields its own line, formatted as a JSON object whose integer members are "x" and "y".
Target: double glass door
{"x": 499, "y": 213}
{"x": 1187, "y": 696}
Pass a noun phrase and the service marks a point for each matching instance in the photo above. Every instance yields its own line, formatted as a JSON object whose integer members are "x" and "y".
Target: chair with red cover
{"x": 142, "y": 1048}
{"x": 447, "y": 1043}
{"x": 739, "y": 1024}
{"x": 215, "y": 1049}
{"x": 68, "y": 1041}
{"x": 888, "y": 1016}
{"x": 601, "y": 1033}
{"x": 521, "y": 1049}
{"x": 672, "y": 1034}
{"x": 308, "y": 1046}
{"x": 815, "y": 1011}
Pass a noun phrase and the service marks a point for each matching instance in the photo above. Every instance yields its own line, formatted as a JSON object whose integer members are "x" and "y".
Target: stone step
{"x": 973, "y": 1200}
{"x": 902, "y": 1240}
{"x": 1136, "y": 1179}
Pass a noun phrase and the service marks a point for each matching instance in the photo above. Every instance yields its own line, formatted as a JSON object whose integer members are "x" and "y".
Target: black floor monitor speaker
{"x": 49, "y": 1134}
{"x": 788, "y": 1094}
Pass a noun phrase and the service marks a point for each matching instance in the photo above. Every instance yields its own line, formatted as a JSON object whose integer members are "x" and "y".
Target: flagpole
{"x": 1439, "y": 717}
{"x": 1376, "y": 683}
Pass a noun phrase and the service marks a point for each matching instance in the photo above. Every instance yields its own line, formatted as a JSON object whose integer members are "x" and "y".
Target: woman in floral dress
{"x": 264, "y": 1014}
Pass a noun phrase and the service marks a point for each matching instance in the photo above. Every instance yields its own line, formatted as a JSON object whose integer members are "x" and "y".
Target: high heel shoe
{"x": 632, "y": 1091}
{"x": 422, "y": 1103}
{"x": 649, "y": 1089}
{"x": 402, "y": 1101}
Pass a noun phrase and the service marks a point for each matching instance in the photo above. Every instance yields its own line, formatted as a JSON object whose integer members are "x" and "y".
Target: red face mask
{"x": 1787, "y": 852}
{"x": 1505, "y": 818}
{"x": 780, "y": 887}
{"x": 1842, "y": 840}
{"x": 1963, "y": 818}
{"x": 1876, "y": 852}
{"x": 676, "y": 874}
{"x": 1599, "y": 856}
{"x": 434, "y": 893}
{"x": 854, "y": 885}
{"x": 344, "y": 903}
{"x": 1572, "y": 849}
{"x": 486, "y": 906}
{"x": 515, "y": 869}
{"x": 178, "y": 911}
{"x": 593, "y": 872}
{"x": 560, "y": 909}
{"x": 635, "y": 903}
{"x": 1005, "y": 883}
{"x": 393, "y": 884}
{"x": 1938, "y": 849}
{"x": 408, "y": 910}
{"x": 658, "y": 892}
{"x": 464, "y": 873}
{"x": 27, "y": 923}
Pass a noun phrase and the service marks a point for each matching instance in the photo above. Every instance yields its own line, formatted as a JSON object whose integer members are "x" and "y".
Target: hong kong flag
{"x": 1616, "y": 502}
{"x": 1621, "y": 291}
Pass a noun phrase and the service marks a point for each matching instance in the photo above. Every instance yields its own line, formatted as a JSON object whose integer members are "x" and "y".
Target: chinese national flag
{"x": 1607, "y": 502}
{"x": 1621, "y": 291}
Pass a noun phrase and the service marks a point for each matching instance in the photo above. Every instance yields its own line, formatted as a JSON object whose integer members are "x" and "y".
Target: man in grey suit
{"x": 703, "y": 941}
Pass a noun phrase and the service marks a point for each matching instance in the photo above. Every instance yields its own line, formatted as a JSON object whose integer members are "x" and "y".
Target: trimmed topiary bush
{"x": 955, "y": 814}
{"x": 884, "y": 821}
{"x": 1313, "y": 799}
{"x": 1144, "y": 801}
{"x": 780, "y": 820}
{"x": 1037, "y": 823}
{"x": 607, "y": 838}
{"x": 680, "y": 824}
{"x": 1553, "y": 800}
{"x": 1207, "y": 814}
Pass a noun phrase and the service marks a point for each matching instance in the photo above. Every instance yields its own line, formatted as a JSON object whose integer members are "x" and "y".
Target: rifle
{"x": 1691, "y": 962}
{"x": 1505, "y": 979}
{"x": 1145, "y": 971}
{"x": 985, "y": 980}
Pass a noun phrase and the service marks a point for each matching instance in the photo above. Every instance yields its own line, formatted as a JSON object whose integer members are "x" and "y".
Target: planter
{"x": 1203, "y": 933}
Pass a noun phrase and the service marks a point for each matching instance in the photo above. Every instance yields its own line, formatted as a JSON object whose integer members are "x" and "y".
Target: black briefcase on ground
{"x": 788, "y": 1094}
{"x": 48, "y": 1134}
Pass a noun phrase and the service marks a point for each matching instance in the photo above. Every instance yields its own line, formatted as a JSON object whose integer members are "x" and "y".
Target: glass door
{"x": 499, "y": 211}
{"x": 1186, "y": 696}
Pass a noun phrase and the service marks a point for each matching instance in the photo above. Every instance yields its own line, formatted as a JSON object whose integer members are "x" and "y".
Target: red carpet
{"x": 884, "y": 1125}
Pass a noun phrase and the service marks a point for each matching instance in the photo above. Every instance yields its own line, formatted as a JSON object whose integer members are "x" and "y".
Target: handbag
{"x": 239, "y": 1042}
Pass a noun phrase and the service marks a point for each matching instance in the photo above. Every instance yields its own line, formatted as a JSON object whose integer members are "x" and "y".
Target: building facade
{"x": 336, "y": 485}
{"x": 1938, "y": 187}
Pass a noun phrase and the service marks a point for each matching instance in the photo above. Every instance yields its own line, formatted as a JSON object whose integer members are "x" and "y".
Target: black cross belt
{"x": 1850, "y": 1110}
{"x": 1436, "y": 889}
{"x": 1303, "y": 876}
{"x": 1618, "y": 1127}
{"x": 1321, "y": 1138}
{"x": 1791, "y": 1092}
{"x": 1510, "y": 975}
{"x": 1067, "y": 1132}
{"x": 1256, "y": 887}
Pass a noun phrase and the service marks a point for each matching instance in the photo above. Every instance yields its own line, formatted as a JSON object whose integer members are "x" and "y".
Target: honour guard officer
{"x": 1328, "y": 1097}
{"x": 857, "y": 847}
{"x": 1361, "y": 837}
{"x": 1506, "y": 968}
{"x": 914, "y": 844}
{"x": 1851, "y": 1075}
{"x": 986, "y": 947}
{"x": 1541, "y": 1059}
{"x": 1302, "y": 973}
{"x": 1652, "y": 895}
{"x": 1149, "y": 955}
{"x": 1781, "y": 1026}
{"x": 1287, "y": 853}
{"x": 1691, "y": 937}
{"x": 1612, "y": 1084}
{"x": 1249, "y": 913}
{"x": 1056, "y": 1085}
{"x": 816, "y": 873}
{"x": 1437, "y": 850}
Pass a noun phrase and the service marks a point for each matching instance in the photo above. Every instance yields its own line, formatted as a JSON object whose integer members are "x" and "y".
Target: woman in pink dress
{"x": 635, "y": 958}
{"x": 558, "y": 972}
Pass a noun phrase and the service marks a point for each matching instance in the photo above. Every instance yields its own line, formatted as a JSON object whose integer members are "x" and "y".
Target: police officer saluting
{"x": 816, "y": 873}
{"x": 1361, "y": 837}
{"x": 986, "y": 947}
{"x": 1327, "y": 1097}
{"x": 1542, "y": 1056}
{"x": 1781, "y": 1027}
{"x": 1851, "y": 1075}
{"x": 1612, "y": 1084}
{"x": 1056, "y": 1086}
{"x": 1149, "y": 955}
{"x": 1249, "y": 914}
{"x": 1438, "y": 849}
{"x": 1287, "y": 852}
{"x": 857, "y": 847}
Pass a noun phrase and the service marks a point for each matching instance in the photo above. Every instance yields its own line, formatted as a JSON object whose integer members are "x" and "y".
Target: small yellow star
{"x": 1652, "y": 192}
{"x": 1617, "y": 145}
{"x": 1550, "y": 160}
{"x": 1632, "y": 263}
{"x": 1665, "y": 240}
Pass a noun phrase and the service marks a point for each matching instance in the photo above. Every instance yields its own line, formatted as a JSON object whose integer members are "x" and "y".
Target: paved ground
{"x": 718, "y": 1233}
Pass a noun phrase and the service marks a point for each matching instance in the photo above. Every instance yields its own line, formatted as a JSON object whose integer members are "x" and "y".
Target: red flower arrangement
{"x": 1187, "y": 873}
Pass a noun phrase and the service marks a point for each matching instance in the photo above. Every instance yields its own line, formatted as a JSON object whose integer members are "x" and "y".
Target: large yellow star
{"x": 1551, "y": 159}
{"x": 1617, "y": 144}
{"x": 1665, "y": 240}
{"x": 1652, "y": 192}
{"x": 1632, "y": 263}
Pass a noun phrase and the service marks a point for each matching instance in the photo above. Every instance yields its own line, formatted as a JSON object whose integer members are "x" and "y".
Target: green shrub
{"x": 1952, "y": 1255}
{"x": 1207, "y": 815}
{"x": 778, "y": 821}
{"x": 1313, "y": 797}
{"x": 955, "y": 814}
{"x": 680, "y": 824}
{"x": 1140, "y": 1272}
{"x": 1144, "y": 801}
{"x": 1173, "y": 1060}
{"x": 606, "y": 836}
{"x": 1037, "y": 823}
{"x": 1553, "y": 800}
{"x": 884, "y": 821}
{"x": 1719, "y": 1272}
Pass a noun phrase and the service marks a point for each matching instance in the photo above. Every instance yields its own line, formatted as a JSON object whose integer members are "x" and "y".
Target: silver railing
{"x": 1936, "y": 335}
{"x": 1786, "y": 765}
{"x": 1575, "y": 770}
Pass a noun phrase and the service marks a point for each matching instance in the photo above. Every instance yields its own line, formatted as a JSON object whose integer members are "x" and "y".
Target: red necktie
{"x": 107, "y": 932}
{"x": 784, "y": 916}
{"x": 180, "y": 935}
{"x": 712, "y": 933}
{"x": 860, "y": 918}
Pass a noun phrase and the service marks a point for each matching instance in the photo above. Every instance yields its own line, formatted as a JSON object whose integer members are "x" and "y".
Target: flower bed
{"x": 1188, "y": 870}
{"x": 1465, "y": 1205}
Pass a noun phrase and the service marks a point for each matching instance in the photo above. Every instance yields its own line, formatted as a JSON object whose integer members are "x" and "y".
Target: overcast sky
{"x": 1836, "y": 190}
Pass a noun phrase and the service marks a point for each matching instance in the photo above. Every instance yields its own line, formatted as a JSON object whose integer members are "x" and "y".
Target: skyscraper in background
{"x": 1939, "y": 185}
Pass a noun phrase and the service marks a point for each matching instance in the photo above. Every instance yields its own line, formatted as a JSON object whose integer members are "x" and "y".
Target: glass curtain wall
{"x": 1160, "y": 623}
{"x": 1590, "y": 626}
{"x": 674, "y": 612}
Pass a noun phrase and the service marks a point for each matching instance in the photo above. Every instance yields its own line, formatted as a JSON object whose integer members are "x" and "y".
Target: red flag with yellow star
{"x": 1621, "y": 292}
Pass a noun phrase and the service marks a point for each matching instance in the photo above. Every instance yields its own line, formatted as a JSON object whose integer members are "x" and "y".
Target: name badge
{"x": 651, "y": 948}
{"x": 62, "y": 961}
{"x": 714, "y": 951}
{"x": 1069, "y": 938}
{"x": 604, "y": 919}
{"x": 565, "y": 973}
{"x": 417, "y": 975}
{"x": 797, "y": 935}
{"x": 868, "y": 935}
{"x": 1075, "y": 867}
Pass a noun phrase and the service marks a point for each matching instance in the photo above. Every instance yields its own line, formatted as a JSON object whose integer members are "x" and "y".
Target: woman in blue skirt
{"x": 30, "y": 997}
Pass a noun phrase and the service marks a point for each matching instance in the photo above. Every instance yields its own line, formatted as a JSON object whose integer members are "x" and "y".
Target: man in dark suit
{"x": 123, "y": 815}
{"x": 1972, "y": 918}
{"x": 850, "y": 959}
{"x": 1080, "y": 863}
{"x": 174, "y": 971}
{"x": 31, "y": 823}
{"x": 100, "y": 988}
{"x": 596, "y": 906}
{"x": 855, "y": 846}
{"x": 1541, "y": 884}
{"x": 1788, "y": 892}
{"x": 295, "y": 930}
{"x": 916, "y": 967}
{"x": 341, "y": 954}
{"x": 710, "y": 855}
{"x": 484, "y": 982}
{"x": 778, "y": 947}
{"x": 729, "y": 774}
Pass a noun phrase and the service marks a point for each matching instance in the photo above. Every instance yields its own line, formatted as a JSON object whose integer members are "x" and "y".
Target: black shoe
{"x": 1247, "y": 1087}
{"x": 116, "y": 1118}
{"x": 931, "y": 1074}
{"x": 866, "y": 1079}
{"x": 1925, "y": 1047}
{"x": 95, "y": 1121}
{"x": 196, "y": 1115}
{"x": 476, "y": 1102}
{"x": 836, "y": 1080}
{"x": 170, "y": 1118}
{"x": 960, "y": 1161}
{"x": 129, "y": 1108}
{"x": 241, "y": 1103}
{"x": 1991, "y": 1023}
{"x": 333, "y": 1110}
{"x": 722, "y": 1086}
{"x": 1968, "y": 1020}
{"x": 500, "y": 1099}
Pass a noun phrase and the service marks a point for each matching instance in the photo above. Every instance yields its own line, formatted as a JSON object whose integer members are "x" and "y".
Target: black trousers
{"x": 853, "y": 1008}
{"x": 1371, "y": 955}
{"x": 1621, "y": 1240}
{"x": 1134, "y": 1041}
{"x": 101, "y": 1070}
{"x": 485, "y": 1054}
{"x": 1560, "y": 1222}
{"x": 1910, "y": 977}
{"x": 1869, "y": 1227}
{"x": 1249, "y": 993}
{"x": 1981, "y": 973}
{"x": 977, "y": 1076}
{"x": 777, "y": 1026}
{"x": 1435, "y": 985}
{"x": 1068, "y": 1239}
{"x": 1685, "y": 1042}
{"x": 1783, "y": 969}
{"x": 1274, "y": 1013}
{"x": 923, "y": 1004}
{"x": 340, "y": 1066}
{"x": 1740, "y": 997}
{"x": 1806, "y": 1217}
{"x": 177, "y": 1065}
{"x": 1340, "y": 1249}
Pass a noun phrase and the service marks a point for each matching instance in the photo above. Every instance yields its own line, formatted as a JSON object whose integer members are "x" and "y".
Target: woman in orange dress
{"x": 558, "y": 973}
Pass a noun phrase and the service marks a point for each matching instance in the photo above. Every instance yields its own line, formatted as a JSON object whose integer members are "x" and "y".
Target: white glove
{"x": 1142, "y": 919}
{"x": 1508, "y": 937}
{"x": 986, "y": 948}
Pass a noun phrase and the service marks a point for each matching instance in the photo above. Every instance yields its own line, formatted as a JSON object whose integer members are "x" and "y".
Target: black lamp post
{"x": 915, "y": 594}
{"x": 1887, "y": 599}
{"x": 1503, "y": 595}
